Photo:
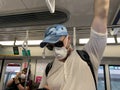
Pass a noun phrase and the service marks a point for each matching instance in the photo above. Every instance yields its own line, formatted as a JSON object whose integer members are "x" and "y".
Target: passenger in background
{"x": 18, "y": 82}
{"x": 69, "y": 71}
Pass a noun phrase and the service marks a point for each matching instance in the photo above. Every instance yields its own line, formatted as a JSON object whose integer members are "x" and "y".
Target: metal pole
{"x": 1, "y": 70}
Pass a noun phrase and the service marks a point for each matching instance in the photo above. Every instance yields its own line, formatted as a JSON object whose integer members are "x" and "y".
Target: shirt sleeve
{"x": 43, "y": 81}
{"x": 96, "y": 46}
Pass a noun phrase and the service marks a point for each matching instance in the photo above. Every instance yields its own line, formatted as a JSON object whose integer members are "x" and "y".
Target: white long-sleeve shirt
{"x": 74, "y": 73}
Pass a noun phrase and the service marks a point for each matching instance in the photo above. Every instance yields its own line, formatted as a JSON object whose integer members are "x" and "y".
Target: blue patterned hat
{"x": 53, "y": 34}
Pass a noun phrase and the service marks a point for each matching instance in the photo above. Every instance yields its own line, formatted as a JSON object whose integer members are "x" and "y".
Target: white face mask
{"x": 60, "y": 52}
{"x": 23, "y": 76}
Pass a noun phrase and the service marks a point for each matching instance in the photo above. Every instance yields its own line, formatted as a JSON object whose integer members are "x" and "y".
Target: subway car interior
{"x": 22, "y": 26}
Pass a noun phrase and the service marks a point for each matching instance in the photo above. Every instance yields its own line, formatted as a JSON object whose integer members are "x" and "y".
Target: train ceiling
{"x": 76, "y": 13}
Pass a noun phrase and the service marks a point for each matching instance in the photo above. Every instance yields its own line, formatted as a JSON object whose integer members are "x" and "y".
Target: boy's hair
{"x": 25, "y": 70}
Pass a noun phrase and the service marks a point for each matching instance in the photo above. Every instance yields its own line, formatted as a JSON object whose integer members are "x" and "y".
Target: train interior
{"x": 22, "y": 26}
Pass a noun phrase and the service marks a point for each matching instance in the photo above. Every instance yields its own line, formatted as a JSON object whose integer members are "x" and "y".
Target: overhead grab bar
{"x": 114, "y": 31}
{"x": 25, "y": 48}
{"x": 25, "y": 42}
{"x": 51, "y": 5}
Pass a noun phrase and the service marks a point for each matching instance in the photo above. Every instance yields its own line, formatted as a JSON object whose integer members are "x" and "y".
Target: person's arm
{"x": 9, "y": 82}
{"x": 98, "y": 37}
{"x": 101, "y": 8}
{"x": 20, "y": 87}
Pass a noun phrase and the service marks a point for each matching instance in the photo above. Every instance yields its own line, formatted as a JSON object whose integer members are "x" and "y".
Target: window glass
{"x": 10, "y": 72}
{"x": 101, "y": 79}
{"x": 114, "y": 77}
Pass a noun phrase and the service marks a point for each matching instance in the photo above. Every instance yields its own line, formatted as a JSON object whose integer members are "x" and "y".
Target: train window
{"x": 101, "y": 78}
{"x": 11, "y": 70}
{"x": 114, "y": 77}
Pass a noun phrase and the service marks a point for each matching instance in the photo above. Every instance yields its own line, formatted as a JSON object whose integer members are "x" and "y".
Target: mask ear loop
{"x": 43, "y": 53}
{"x": 74, "y": 38}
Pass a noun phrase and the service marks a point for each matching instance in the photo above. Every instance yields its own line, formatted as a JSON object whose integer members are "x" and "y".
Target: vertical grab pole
{"x": 74, "y": 37}
{"x": 25, "y": 48}
{"x": 2, "y": 68}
